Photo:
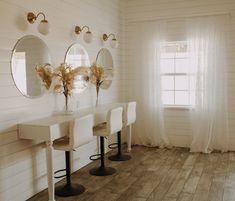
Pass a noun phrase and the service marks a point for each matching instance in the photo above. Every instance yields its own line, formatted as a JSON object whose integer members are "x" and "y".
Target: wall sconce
{"x": 113, "y": 42}
{"x": 43, "y": 26}
{"x": 87, "y": 37}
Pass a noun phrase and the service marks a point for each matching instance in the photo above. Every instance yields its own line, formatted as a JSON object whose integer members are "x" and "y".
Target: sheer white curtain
{"x": 207, "y": 42}
{"x": 146, "y": 83}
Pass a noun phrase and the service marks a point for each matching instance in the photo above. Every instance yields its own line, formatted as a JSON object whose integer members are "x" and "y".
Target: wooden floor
{"x": 160, "y": 175}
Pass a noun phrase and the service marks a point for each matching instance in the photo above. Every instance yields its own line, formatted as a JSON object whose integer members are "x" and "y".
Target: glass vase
{"x": 97, "y": 96}
{"x": 68, "y": 107}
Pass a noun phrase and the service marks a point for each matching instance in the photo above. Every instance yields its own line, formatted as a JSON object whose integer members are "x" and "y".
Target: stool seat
{"x": 100, "y": 130}
{"x": 62, "y": 144}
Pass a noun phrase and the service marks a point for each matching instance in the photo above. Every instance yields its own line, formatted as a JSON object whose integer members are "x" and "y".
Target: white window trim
{"x": 176, "y": 106}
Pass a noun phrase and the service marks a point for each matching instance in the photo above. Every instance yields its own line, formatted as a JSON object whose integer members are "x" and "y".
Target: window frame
{"x": 177, "y": 45}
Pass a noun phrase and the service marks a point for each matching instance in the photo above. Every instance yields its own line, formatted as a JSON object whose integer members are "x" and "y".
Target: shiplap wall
{"x": 22, "y": 162}
{"x": 177, "y": 120}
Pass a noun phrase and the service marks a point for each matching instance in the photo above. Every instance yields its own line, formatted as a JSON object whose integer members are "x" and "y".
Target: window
{"x": 177, "y": 84}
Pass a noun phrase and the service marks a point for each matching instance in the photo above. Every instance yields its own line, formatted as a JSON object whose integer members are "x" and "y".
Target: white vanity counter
{"x": 53, "y": 127}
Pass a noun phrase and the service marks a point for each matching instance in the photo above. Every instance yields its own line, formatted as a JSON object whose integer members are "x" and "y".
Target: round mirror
{"x": 77, "y": 56}
{"x": 29, "y": 52}
{"x": 105, "y": 60}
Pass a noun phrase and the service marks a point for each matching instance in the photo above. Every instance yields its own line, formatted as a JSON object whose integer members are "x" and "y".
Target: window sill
{"x": 180, "y": 107}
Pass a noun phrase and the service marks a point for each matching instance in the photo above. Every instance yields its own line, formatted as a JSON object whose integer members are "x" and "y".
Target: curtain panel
{"x": 206, "y": 39}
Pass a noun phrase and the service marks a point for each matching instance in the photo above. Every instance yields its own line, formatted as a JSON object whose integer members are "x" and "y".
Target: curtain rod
{"x": 171, "y": 19}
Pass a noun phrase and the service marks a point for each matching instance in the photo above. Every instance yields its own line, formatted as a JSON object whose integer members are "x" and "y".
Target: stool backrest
{"x": 81, "y": 131}
{"x": 114, "y": 120}
{"x": 130, "y": 117}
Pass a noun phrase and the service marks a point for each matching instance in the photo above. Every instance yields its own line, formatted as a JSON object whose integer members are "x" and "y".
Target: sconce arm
{"x": 31, "y": 17}
{"x": 78, "y": 29}
{"x": 105, "y": 36}
{"x": 41, "y": 13}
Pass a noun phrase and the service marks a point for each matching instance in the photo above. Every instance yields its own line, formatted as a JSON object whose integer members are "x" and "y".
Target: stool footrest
{"x": 57, "y": 177}
{"x": 113, "y": 145}
{"x": 95, "y": 155}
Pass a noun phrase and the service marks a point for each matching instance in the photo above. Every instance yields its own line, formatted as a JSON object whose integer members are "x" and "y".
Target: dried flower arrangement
{"x": 45, "y": 73}
{"x": 97, "y": 77}
{"x": 64, "y": 75}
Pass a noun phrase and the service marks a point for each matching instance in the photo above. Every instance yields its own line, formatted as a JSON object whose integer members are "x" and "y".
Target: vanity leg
{"x": 50, "y": 171}
{"x": 129, "y": 139}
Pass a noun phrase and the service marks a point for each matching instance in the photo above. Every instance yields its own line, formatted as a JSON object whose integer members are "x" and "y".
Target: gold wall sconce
{"x": 43, "y": 26}
{"x": 113, "y": 42}
{"x": 87, "y": 37}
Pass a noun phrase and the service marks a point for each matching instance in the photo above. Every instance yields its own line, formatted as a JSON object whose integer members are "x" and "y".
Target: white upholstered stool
{"x": 113, "y": 125}
{"x": 80, "y": 133}
{"x": 129, "y": 119}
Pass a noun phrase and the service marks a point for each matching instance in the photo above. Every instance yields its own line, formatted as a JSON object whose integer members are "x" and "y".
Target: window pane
{"x": 168, "y": 97}
{"x": 167, "y": 82}
{"x": 192, "y": 97}
{"x": 167, "y": 55}
{"x": 167, "y": 65}
{"x": 181, "y": 66}
{"x": 181, "y": 82}
{"x": 177, "y": 86}
{"x": 192, "y": 83}
{"x": 181, "y": 55}
{"x": 181, "y": 98}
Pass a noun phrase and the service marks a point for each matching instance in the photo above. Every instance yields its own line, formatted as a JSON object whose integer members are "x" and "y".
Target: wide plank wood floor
{"x": 159, "y": 175}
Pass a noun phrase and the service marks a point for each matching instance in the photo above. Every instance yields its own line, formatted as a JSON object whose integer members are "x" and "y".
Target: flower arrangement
{"x": 45, "y": 73}
{"x": 97, "y": 77}
{"x": 64, "y": 76}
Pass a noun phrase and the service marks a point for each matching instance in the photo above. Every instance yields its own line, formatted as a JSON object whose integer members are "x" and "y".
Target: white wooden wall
{"x": 177, "y": 120}
{"x": 22, "y": 162}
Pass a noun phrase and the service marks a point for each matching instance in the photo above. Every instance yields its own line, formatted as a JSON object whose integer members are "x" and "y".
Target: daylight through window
{"x": 177, "y": 83}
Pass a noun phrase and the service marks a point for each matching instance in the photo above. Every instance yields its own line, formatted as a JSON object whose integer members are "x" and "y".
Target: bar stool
{"x": 113, "y": 124}
{"x": 129, "y": 118}
{"x": 80, "y": 133}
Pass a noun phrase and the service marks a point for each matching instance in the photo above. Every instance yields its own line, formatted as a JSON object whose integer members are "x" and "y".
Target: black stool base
{"x": 119, "y": 157}
{"x": 102, "y": 171}
{"x": 69, "y": 190}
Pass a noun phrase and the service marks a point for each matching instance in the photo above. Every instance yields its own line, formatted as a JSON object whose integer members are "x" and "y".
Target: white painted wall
{"x": 22, "y": 162}
{"x": 177, "y": 120}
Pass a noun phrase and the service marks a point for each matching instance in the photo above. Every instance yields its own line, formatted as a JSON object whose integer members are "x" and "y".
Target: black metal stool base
{"x": 119, "y": 157}
{"x": 69, "y": 190}
{"x": 102, "y": 171}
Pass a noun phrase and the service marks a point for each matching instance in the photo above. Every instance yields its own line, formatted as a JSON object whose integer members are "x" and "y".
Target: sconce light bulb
{"x": 88, "y": 37}
{"x": 44, "y": 27}
{"x": 114, "y": 43}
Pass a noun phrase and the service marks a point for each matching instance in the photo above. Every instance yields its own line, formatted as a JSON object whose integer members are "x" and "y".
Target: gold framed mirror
{"x": 77, "y": 56}
{"x": 104, "y": 58}
{"x": 29, "y": 52}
